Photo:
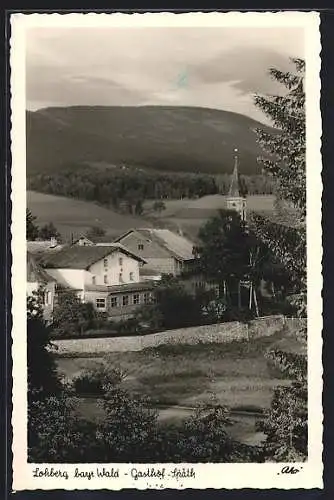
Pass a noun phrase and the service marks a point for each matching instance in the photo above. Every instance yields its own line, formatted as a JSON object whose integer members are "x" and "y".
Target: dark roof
{"x": 127, "y": 287}
{"x": 177, "y": 245}
{"x": 104, "y": 238}
{"x": 82, "y": 257}
{"x": 35, "y": 273}
{"x": 148, "y": 271}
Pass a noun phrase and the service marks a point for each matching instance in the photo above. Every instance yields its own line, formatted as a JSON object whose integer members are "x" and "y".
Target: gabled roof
{"x": 35, "y": 273}
{"x": 178, "y": 246}
{"x": 84, "y": 238}
{"x": 82, "y": 257}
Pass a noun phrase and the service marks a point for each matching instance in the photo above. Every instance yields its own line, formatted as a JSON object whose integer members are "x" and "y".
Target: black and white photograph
{"x": 166, "y": 225}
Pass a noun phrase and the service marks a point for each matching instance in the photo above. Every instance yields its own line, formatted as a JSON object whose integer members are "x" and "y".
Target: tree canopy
{"x": 286, "y": 422}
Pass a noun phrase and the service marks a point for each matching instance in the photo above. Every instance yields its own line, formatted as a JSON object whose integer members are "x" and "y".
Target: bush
{"x": 129, "y": 326}
{"x": 55, "y": 434}
{"x": 97, "y": 380}
{"x": 128, "y": 433}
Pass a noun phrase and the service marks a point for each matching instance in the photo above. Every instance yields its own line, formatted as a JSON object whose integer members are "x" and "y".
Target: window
{"x": 113, "y": 302}
{"x": 120, "y": 277}
{"x": 125, "y": 300}
{"x": 101, "y": 303}
{"x": 47, "y": 298}
{"x": 140, "y": 246}
{"x": 105, "y": 263}
{"x": 146, "y": 298}
{"x": 131, "y": 276}
{"x": 120, "y": 261}
{"x": 105, "y": 279}
{"x": 94, "y": 280}
{"x": 136, "y": 298}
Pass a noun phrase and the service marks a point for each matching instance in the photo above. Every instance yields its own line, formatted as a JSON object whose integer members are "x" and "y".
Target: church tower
{"x": 235, "y": 199}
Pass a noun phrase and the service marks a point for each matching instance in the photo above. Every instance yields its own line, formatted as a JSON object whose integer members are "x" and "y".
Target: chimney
{"x": 53, "y": 242}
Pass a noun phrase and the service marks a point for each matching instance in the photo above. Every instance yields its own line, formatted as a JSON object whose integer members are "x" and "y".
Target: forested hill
{"x": 172, "y": 139}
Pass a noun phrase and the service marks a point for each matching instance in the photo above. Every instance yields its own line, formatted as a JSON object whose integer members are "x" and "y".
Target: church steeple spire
{"x": 235, "y": 199}
{"x": 235, "y": 190}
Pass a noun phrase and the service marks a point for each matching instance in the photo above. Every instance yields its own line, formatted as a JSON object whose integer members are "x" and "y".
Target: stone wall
{"x": 218, "y": 333}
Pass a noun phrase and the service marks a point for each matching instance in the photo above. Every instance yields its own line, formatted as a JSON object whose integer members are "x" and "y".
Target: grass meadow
{"x": 177, "y": 378}
{"x": 72, "y": 216}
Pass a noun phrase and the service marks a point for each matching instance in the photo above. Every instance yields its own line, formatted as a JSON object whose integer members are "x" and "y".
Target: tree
{"x": 48, "y": 231}
{"x": 286, "y": 149}
{"x": 222, "y": 254}
{"x": 31, "y": 228}
{"x": 128, "y": 431}
{"x": 139, "y": 207}
{"x": 286, "y": 422}
{"x": 170, "y": 296}
{"x": 71, "y": 316}
{"x": 95, "y": 232}
{"x": 57, "y": 434}
{"x": 159, "y": 206}
{"x": 42, "y": 373}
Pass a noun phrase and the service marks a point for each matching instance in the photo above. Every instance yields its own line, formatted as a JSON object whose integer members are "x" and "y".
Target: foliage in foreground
{"x": 42, "y": 372}
{"x": 71, "y": 316}
{"x": 286, "y": 422}
{"x": 129, "y": 431}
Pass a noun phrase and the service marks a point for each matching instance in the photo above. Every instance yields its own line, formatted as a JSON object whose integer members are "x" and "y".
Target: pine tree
{"x": 286, "y": 422}
{"x": 32, "y": 230}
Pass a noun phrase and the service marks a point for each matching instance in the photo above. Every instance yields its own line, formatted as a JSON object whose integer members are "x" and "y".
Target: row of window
{"x": 105, "y": 262}
{"x": 120, "y": 278}
{"x": 125, "y": 300}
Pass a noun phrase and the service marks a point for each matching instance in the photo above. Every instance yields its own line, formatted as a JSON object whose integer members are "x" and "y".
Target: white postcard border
{"x": 230, "y": 476}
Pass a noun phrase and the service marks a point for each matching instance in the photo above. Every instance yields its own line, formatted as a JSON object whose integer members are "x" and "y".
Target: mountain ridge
{"x": 166, "y": 138}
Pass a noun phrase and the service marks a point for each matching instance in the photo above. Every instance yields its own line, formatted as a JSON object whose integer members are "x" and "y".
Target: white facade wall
{"x": 116, "y": 269}
{"x": 111, "y": 269}
{"x": 73, "y": 278}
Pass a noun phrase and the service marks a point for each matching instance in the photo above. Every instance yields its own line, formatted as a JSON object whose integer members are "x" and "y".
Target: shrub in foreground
{"x": 98, "y": 379}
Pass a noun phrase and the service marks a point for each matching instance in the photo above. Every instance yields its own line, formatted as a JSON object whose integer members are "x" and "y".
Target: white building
{"x": 107, "y": 276}
{"x": 38, "y": 280}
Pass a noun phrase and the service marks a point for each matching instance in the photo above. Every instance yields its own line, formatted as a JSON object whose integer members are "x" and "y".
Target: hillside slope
{"x": 159, "y": 137}
{"x": 73, "y": 217}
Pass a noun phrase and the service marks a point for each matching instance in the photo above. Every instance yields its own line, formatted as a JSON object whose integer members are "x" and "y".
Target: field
{"x": 177, "y": 378}
{"x": 189, "y": 215}
{"x": 72, "y": 216}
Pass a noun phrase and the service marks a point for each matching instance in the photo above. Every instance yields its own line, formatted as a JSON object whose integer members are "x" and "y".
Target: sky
{"x": 215, "y": 67}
